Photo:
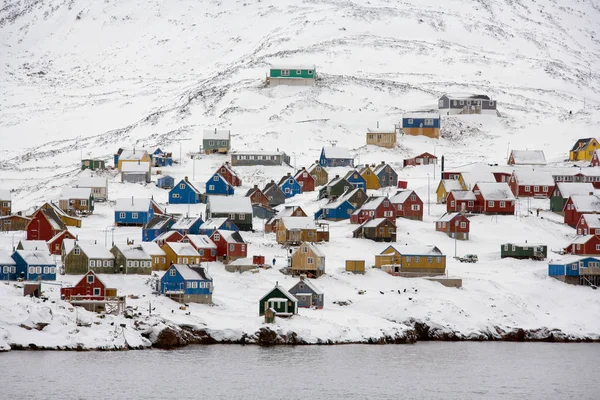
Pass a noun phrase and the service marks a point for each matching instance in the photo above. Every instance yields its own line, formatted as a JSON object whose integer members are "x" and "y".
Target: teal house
{"x": 292, "y": 75}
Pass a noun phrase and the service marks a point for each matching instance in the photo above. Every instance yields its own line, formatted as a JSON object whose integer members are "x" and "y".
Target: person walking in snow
{"x": 273, "y": 262}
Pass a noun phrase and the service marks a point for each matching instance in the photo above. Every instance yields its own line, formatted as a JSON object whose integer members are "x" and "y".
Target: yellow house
{"x": 158, "y": 255}
{"x": 411, "y": 261}
{"x": 181, "y": 253}
{"x": 371, "y": 179}
{"x": 445, "y": 187}
{"x": 308, "y": 260}
{"x": 295, "y": 230}
{"x": 583, "y": 150}
{"x": 64, "y": 217}
{"x": 132, "y": 155}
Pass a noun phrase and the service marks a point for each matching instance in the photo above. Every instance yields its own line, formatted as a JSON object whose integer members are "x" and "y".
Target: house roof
{"x": 476, "y": 176}
{"x": 143, "y": 166}
{"x": 528, "y": 157}
{"x": 586, "y": 203}
{"x": 251, "y": 191}
{"x": 347, "y": 195}
{"x": 592, "y": 221}
{"x": 201, "y": 241}
{"x": 292, "y": 223}
{"x": 524, "y": 244}
{"x": 463, "y": 195}
{"x": 231, "y": 236}
{"x": 451, "y": 184}
{"x": 372, "y": 223}
{"x": 133, "y": 252}
{"x": 30, "y": 245}
{"x": 313, "y": 166}
{"x": 5, "y": 194}
{"x": 158, "y": 221}
{"x": 352, "y": 172}
{"x": 182, "y": 249}
{"x": 57, "y": 214}
{"x": 391, "y": 131}
{"x": 283, "y": 291}
{"x": 309, "y": 284}
{"x": 57, "y": 236}
{"x": 53, "y": 218}
{"x": 421, "y": 115}
{"x": 380, "y": 167}
{"x": 68, "y": 245}
{"x": 213, "y": 223}
{"x": 75, "y": 193}
{"x": 132, "y": 154}
{"x": 133, "y": 204}
{"x": 217, "y": 134}
{"x": 152, "y": 249}
{"x": 401, "y": 196}
{"x": 581, "y": 239}
{"x": 242, "y": 261}
{"x": 313, "y": 247}
{"x": 427, "y": 250}
{"x": 466, "y": 96}
{"x": 230, "y": 204}
{"x": 93, "y": 250}
{"x": 581, "y": 144}
{"x": 285, "y": 178}
{"x": 293, "y": 66}
{"x": 568, "y": 189}
{"x": 91, "y": 182}
{"x": 185, "y": 222}
{"x": 373, "y": 202}
{"x": 448, "y": 217}
{"x": 495, "y": 191}
{"x": 533, "y": 177}
{"x": 36, "y": 257}
{"x": 5, "y": 258}
{"x": 259, "y": 152}
{"x": 192, "y": 273}
{"x": 227, "y": 166}
{"x": 337, "y": 153}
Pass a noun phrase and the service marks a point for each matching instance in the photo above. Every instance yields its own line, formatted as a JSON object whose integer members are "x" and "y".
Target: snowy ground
{"x": 81, "y": 79}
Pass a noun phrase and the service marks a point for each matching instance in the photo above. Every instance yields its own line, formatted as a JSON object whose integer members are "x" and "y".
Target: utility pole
{"x": 428, "y": 199}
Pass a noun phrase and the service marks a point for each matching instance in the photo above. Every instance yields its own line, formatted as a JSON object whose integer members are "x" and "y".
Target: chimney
{"x": 383, "y": 163}
{"x": 95, "y": 242}
{"x": 303, "y": 169}
{"x": 337, "y": 176}
{"x": 215, "y": 131}
{"x": 139, "y": 161}
{"x": 377, "y": 124}
{"x": 186, "y": 179}
{"x": 289, "y": 174}
{"x": 255, "y": 186}
{"x": 134, "y": 150}
{"x": 132, "y": 202}
{"x": 316, "y": 161}
{"x": 272, "y": 181}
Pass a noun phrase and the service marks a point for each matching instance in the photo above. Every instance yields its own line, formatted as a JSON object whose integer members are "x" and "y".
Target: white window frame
{"x": 134, "y": 215}
{"x": 122, "y": 215}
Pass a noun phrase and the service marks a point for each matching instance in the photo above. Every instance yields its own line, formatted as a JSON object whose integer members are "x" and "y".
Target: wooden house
{"x": 185, "y": 192}
{"x": 14, "y": 222}
{"x": 595, "y": 161}
{"x": 230, "y": 245}
{"x": 161, "y": 158}
{"x": 374, "y": 207}
{"x": 77, "y": 201}
{"x": 229, "y": 174}
{"x": 44, "y": 225}
{"x": 583, "y": 149}
{"x": 257, "y": 196}
{"x": 181, "y": 253}
{"x": 134, "y": 156}
{"x": 305, "y": 180}
{"x": 263, "y": 212}
{"x": 279, "y": 300}
{"x": 408, "y": 204}
{"x": 289, "y": 186}
{"x": 84, "y": 257}
{"x": 188, "y": 225}
{"x": 307, "y": 294}
{"x": 530, "y": 183}
{"x": 288, "y": 211}
{"x": 371, "y": 179}
{"x": 588, "y": 245}
{"x": 421, "y": 159}
{"x": 55, "y": 244}
{"x": 411, "y": 261}
{"x": 455, "y": 225}
{"x": 356, "y": 180}
{"x": 5, "y": 203}
{"x": 165, "y": 182}
{"x": 274, "y": 194}
{"x": 377, "y": 229}
{"x": 355, "y": 266}
{"x": 335, "y": 188}
{"x": 589, "y": 224}
{"x": 93, "y": 164}
{"x": 135, "y": 211}
{"x": 319, "y": 173}
{"x": 494, "y": 198}
{"x": 8, "y": 267}
{"x": 213, "y": 224}
{"x": 336, "y": 210}
{"x": 291, "y": 75}
{"x": 525, "y": 250}
{"x": 578, "y": 205}
{"x": 463, "y": 201}
{"x": 32, "y": 265}
{"x": 237, "y": 208}
{"x": 445, "y": 187}
{"x": 527, "y": 157}
{"x": 216, "y": 141}
{"x": 502, "y": 176}
{"x": 139, "y": 172}
{"x": 308, "y": 260}
{"x": 421, "y": 124}
{"x": 131, "y": 259}
{"x": 158, "y": 225}
{"x": 169, "y": 236}
{"x": 203, "y": 245}
{"x": 67, "y": 219}
{"x": 295, "y": 230}
{"x": 266, "y": 158}
{"x": 336, "y": 157}
{"x": 576, "y": 270}
{"x": 381, "y": 137}
{"x": 90, "y": 292}
{"x": 466, "y": 103}
{"x": 386, "y": 175}
{"x": 159, "y": 257}
{"x": 98, "y": 185}
{"x": 186, "y": 284}
{"x": 563, "y": 190}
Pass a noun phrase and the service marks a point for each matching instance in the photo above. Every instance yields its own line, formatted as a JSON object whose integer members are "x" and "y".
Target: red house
{"x": 502, "y": 176}
{"x": 421, "y": 159}
{"x": 230, "y": 245}
{"x": 90, "y": 287}
{"x": 408, "y": 204}
{"x": 203, "y": 245}
{"x": 44, "y": 225}
{"x": 229, "y": 174}
{"x": 55, "y": 244}
{"x": 461, "y": 201}
{"x": 455, "y": 225}
{"x": 306, "y": 180}
{"x": 531, "y": 183}
{"x": 589, "y": 224}
{"x": 169, "y": 236}
{"x": 257, "y": 196}
{"x": 494, "y": 198}
{"x": 595, "y": 159}
{"x": 578, "y": 205}
{"x": 588, "y": 245}
{"x": 374, "y": 207}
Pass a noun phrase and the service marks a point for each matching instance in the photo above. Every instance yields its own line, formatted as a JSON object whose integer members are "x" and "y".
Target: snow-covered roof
{"x": 534, "y": 178}
{"x": 528, "y": 157}
{"x": 95, "y": 251}
{"x": 184, "y": 223}
{"x": 373, "y": 202}
{"x": 495, "y": 191}
{"x": 381, "y": 166}
{"x": 568, "y": 189}
{"x": 580, "y": 239}
{"x": 75, "y": 193}
{"x": 292, "y": 66}
{"x": 68, "y": 245}
{"x": 192, "y": 274}
{"x": 152, "y": 249}
{"x": 213, "y": 223}
{"x": 182, "y": 249}
{"x": 133, "y": 204}
{"x": 517, "y": 244}
{"x": 427, "y": 250}
{"x": 5, "y": 258}
{"x": 285, "y": 293}
{"x": 292, "y": 223}
{"x": 476, "y": 176}
{"x": 451, "y": 184}
{"x": 337, "y": 153}
{"x": 132, "y": 154}
{"x": 5, "y": 194}
{"x": 258, "y": 152}
{"x": 377, "y": 130}
{"x": 201, "y": 241}
{"x": 231, "y": 236}
{"x": 217, "y": 134}
{"x": 463, "y": 195}
{"x": 372, "y": 223}
{"x": 401, "y": 196}
{"x": 586, "y": 203}
{"x": 242, "y": 261}
{"x": 592, "y": 221}
{"x": 143, "y": 166}
{"x": 590, "y": 171}
{"x": 30, "y": 245}
{"x": 157, "y": 221}
{"x": 230, "y": 204}
{"x": 309, "y": 284}
{"x": 422, "y": 115}
{"x": 314, "y": 248}
{"x": 35, "y": 257}
{"x": 448, "y": 217}
{"x": 53, "y": 218}
{"x": 91, "y": 182}
{"x": 165, "y": 235}
{"x": 466, "y": 96}
{"x": 133, "y": 252}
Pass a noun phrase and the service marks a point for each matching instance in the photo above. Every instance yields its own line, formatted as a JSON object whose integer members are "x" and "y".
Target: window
{"x": 216, "y": 178}
{"x": 410, "y": 121}
{"x": 429, "y": 260}
{"x": 287, "y": 190}
{"x": 413, "y": 197}
{"x": 310, "y": 260}
{"x": 185, "y": 260}
{"x": 536, "y": 188}
{"x": 122, "y": 215}
{"x": 164, "y": 260}
{"x": 462, "y": 102}
{"x": 129, "y": 264}
{"x": 134, "y": 215}
{"x": 189, "y": 285}
{"x": 194, "y": 285}
{"x": 463, "y": 225}
{"x": 454, "y": 102}
{"x": 545, "y": 188}
{"x": 172, "y": 272}
{"x": 417, "y": 259}
{"x": 285, "y": 72}
{"x": 310, "y": 71}
{"x": 90, "y": 279}
{"x": 76, "y": 251}
{"x": 381, "y": 229}
{"x": 211, "y": 187}
{"x": 438, "y": 260}
{"x": 415, "y": 207}
{"x": 371, "y": 213}
{"x": 298, "y": 72}
{"x": 305, "y": 249}
{"x": 32, "y": 270}
{"x": 471, "y": 204}
{"x": 178, "y": 260}
{"x": 491, "y": 103}
{"x": 429, "y": 122}
{"x": 242, "y": 216}
{"x": 5, "y": 269}
{"x": 175, "y": 195}
{"x": 527, "y": 188}
{"x": 211, "y": 143}
{"x": 491, "y": 203}
{"x": 46, "y": 270}
{"x": 502, "y": 204}
{"x": 92, "y": 263}
{"x": 598, "y": 247}
{"x": 217, "y": 237}
{"x": 452, "y": 203}
{"x": 83, "y": 202}
{"x": 514, "y": 248}
{"x": 231, "y": 247}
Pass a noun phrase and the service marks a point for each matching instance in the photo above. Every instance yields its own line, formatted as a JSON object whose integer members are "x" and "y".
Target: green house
{"x": 280, "y": 300}
{"x": 535, "y": 251}
{"x": 93, "y": 164}
{"x": 294, "y": 75}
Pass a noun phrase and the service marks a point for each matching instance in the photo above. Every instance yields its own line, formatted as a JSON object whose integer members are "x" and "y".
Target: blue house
{"x": 32, "y": 265}
{"x": 135, "y": 211}
{"x": 161, "y": 159}
{"x": 188, "y": 225}
{"x": 421, "y": 124}
{"x": 221, "y": 224}
{"x": 336, "y": 157}
{"x": 186, "y": 283}
{"x": 158, "y": 225}
{"x": 165, "y": 182}
{"x": 184, "y": 193}
{"x": 336, "y": 210}
{"x": 290, "y": 186}
{"x": 217, "y": 185}
{"x": 356, "y": 180}
{"x": 576, "y": 270}
{"x": 8, "y": 267}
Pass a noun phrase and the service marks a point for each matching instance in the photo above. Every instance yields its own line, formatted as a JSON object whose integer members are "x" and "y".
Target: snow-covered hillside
{"x": 81, "y": 78}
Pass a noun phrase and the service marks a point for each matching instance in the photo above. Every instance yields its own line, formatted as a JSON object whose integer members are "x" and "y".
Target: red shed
{"x": 306, "y": 180}
{"x": 230, "y": 245}
{"x": 588, "y": 245}
{"x": 578, "y": 205}
{"x": 229, "y": 174}
{"x": 90, "y": 287}
{"x": 44, "y": 225}
{"x": 454, "y": 225}
{"x": 402, "y": 184}
{"x": 530, "y": 183}
{"x": 374, "y": 207}
{"x": 421, "y": 159}
{"x": 494, "y": 198}
{"x": 55, "y": 244}
{"x": 408, "y": 204}
{"x": 461, "y": 201}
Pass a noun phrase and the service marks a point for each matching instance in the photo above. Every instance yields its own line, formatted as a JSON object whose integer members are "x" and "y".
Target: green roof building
{"x": 292, "y": 75}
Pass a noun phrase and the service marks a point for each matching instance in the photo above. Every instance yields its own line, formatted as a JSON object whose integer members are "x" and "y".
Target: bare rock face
{"x": 169, "y": 338}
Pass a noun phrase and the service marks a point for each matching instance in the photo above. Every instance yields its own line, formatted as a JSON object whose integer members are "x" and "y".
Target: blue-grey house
{"x": 336, "y": 210}
{"x": 336, "y": 157}
{"x": 8, "y": 267}
{"x": 158, "y": 225}
{"x": 135, "y": 211}
{"x": 576, "y": 270}
{"x": 34, "y": 265}
{"x": 356, "y": 180}
{"x": 217, "y": 185}
{"x": 186, "y": 283}
{"x": 290, "y": 186}
{"x": 165, "y": 182}
{"x": 188, "y": 225}
{"x": 221, "y": 224}
{"x": 184, "y": 193}
{"x": 161, "y": 159}
{"x": 386, "y": 175}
